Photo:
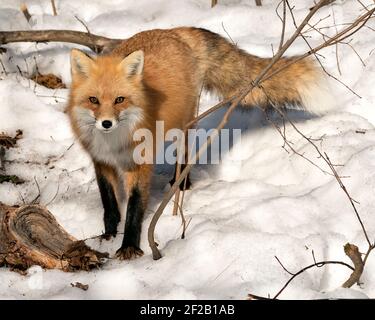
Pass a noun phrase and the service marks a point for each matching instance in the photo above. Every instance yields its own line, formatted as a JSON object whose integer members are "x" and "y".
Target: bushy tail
{"x": 228, "y": 70}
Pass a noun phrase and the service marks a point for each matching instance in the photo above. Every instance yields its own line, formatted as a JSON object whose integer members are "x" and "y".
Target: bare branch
{"x": 317, "y": 264}
{"x": 345, "y": 33}
{"x": 353, "y": 253}
{"x": 54, "y": 7}
{"x": 337, "y": 45}
{"x": 325, "y": 4}
{"x": 283, "y": 21}
{"x": 316, "y": 55}
{"x": 94, "y": 42}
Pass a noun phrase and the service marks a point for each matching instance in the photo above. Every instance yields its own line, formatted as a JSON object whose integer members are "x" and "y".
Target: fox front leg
{"x": 107, "y": 182}
{"x": 138, "y": 184}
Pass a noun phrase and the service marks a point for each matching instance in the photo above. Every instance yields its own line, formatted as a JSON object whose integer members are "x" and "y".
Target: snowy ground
{"x": 260, "y": 202}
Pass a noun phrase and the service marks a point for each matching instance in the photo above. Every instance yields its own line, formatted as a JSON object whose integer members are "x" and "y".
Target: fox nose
{"x": 106, "y": 124}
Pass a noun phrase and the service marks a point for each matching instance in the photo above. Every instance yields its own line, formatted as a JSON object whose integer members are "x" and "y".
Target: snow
{"x": 260, "y": 202}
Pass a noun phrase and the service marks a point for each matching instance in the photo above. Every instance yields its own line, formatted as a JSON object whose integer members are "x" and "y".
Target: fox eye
{"x": 94, "y": 100}
{"x": 119, "y": 100}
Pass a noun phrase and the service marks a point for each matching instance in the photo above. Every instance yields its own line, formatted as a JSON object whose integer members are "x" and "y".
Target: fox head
{"x": 106, "y": 92}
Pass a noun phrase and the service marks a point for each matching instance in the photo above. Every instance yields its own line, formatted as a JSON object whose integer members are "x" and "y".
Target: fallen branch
{"x": 96, "y": 43}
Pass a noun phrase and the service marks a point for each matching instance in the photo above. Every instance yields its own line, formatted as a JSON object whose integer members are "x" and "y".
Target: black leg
{"x": 182, "y": 184}
{"x": 130, "y": 247}
{"x": 112, "y": 214}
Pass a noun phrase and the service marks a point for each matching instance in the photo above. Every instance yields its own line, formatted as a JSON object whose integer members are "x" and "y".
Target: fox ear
{"x": 80, "y": 63}
{"x": 133, "y": 63}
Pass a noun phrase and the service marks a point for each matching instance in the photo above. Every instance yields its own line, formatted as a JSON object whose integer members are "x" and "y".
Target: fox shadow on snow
{"x": 247, "y": 120}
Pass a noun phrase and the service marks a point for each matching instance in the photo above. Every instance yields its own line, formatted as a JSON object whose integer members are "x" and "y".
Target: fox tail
{"x": 228, "y": 70}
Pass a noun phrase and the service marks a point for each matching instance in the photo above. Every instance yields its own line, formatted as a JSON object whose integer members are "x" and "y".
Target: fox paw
{"x": 128, "y": 253}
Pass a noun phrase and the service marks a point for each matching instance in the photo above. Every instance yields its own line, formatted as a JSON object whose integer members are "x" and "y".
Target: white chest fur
{"x": 113, "y": 148}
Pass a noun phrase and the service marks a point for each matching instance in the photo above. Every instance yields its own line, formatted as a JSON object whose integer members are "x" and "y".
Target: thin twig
{"x": 83, "y": 23}
{"x": 54, "y": 197}
{"x": 222, "y": 25}
{"x": 341, "y": 184}
{"x": 54, "y": 7}
{"x": 342, "y": 35}
{"x": 337, "y": 45}
{"x": 320, "y": 264}
{"x": 39, "y": 194}
{"x": 283, "y": 21}
{"x": 286, "y": 141}
{"x": 316, "y": 56}
{"x": 2, "y": 65}
{"x": 285, "y": 269}
{"x": 357, "y": 54}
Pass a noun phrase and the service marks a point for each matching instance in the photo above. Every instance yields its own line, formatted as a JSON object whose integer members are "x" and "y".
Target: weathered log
{"x": 30, "y": 235}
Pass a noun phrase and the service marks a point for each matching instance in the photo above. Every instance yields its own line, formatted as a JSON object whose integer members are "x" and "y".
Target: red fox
{"x": 158, "y": 75}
